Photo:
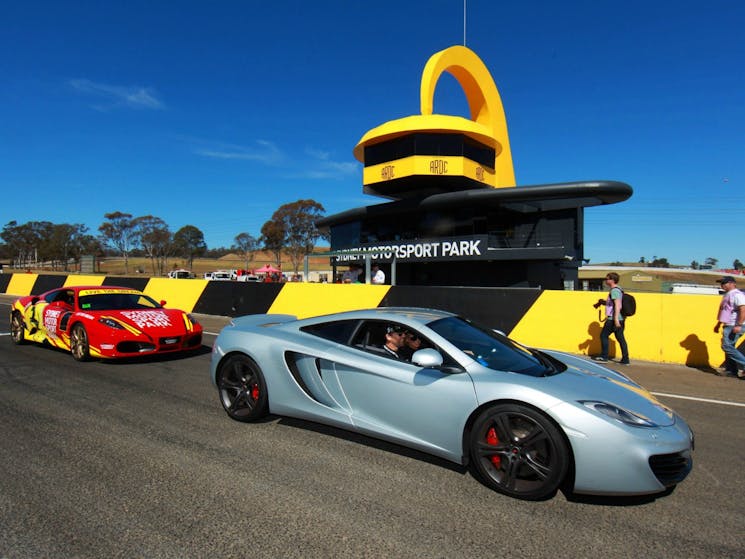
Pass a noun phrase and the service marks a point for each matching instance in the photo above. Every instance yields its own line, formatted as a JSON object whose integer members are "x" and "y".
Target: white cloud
{"x": 317, "y": 153}
{"x": 115, "y": 96}
{"x": 263, "y": 151}
{"x": 323, "y": 167}
{"x": 317, "y": 165}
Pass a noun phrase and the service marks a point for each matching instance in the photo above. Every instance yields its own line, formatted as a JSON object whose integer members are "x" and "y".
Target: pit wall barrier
{"x": 667, "y": 328}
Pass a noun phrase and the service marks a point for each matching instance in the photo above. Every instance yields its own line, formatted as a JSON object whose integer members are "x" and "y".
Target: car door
{"x": 422, "y": 407}
{"x": 57, "y": 308}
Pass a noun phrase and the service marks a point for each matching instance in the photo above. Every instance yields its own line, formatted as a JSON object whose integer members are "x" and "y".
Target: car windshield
{"x": 492, "y": 349}
{"x": 116, "y": 301}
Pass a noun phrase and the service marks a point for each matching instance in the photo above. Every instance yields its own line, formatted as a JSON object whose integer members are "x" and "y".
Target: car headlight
{"x": 111, "y": 323}
{"x": 619, "y": 414}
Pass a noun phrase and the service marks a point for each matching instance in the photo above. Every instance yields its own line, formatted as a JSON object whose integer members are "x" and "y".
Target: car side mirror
{"x": 427, "y": 358}
{"x": 163, "y": 303}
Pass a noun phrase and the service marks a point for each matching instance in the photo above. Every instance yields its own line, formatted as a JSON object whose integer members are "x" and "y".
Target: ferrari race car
{"x": 103, "y": 322}
{"x": 528, "y": 421}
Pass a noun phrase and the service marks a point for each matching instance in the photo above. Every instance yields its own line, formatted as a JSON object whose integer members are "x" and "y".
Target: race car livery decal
{"x": 51, "y": 316}
{"x": 123, "y": 324}
{"x": 188, "y": 323}
{"x": 148, "y": 319}
{"x": 84, "y": 292}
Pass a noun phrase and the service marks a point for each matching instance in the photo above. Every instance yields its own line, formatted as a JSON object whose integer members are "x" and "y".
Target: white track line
{"x": 707, "y": 400}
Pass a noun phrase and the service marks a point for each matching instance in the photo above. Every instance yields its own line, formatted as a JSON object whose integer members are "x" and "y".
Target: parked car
{"x": 527, "y": 421}
{"x": 180, "y": 274}
{"x": 103, "y": 322}
{"x": 220, "y": 275}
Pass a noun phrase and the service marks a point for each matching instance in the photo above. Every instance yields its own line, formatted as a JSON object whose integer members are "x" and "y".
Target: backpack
{"x": 628, "y": 304}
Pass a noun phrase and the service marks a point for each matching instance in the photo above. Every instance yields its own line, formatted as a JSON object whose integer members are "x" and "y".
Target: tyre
{"x": 79, "y": 345}
{"x": 17, "y": 329}
{"x": 242, "y": 388}
{"x": 518, "y": 451}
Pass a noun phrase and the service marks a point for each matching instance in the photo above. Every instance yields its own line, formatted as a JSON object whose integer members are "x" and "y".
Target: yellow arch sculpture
{"x": 483, "y": 98}
{"x": 487, "y": 127}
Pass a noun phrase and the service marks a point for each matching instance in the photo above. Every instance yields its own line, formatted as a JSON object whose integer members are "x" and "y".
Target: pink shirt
{"x": 733, "y": 299}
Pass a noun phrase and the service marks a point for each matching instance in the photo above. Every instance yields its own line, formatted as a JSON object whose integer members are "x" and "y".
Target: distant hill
{"x": 655, "y": 280}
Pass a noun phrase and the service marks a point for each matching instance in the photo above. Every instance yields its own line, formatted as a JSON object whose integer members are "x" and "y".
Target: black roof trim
{"x": 526, "y": 199}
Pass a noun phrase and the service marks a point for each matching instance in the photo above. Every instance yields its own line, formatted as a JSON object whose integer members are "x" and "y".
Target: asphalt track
{"x": 139, "y": 460}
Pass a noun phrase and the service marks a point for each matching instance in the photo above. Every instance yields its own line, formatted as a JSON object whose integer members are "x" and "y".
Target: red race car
{"x": 103, "y": 322}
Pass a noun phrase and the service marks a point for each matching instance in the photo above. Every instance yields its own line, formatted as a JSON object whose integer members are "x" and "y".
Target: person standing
{"x": 378, "y": 275}
{"x": 731, "y": 316}
{"x": 614, "y": 321}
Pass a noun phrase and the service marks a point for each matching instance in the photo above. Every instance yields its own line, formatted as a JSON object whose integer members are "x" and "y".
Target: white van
{"x": 219, "y": 275}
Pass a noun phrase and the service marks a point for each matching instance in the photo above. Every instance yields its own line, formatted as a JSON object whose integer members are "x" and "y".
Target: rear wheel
{"x": 519, "y": 452}
{"x": 79, "y": 345}
{"x": 242, "y": 388}
{"x": 17, "y": 329}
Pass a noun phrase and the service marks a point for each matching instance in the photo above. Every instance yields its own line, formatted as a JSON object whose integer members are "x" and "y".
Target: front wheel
{"x": 17, "y": 329}
{"x": 242, "y": 388}
{"x": 79, "y": 345}
{"x": 518, "y": 451}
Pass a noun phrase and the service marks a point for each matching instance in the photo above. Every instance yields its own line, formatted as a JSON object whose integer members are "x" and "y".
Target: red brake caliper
{"x": 493, "y": 440}
{"x": 255, "y": 392}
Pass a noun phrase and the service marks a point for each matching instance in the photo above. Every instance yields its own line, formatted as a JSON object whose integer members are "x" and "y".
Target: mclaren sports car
{"x": 528, "y": 422}
{"x": 103, "y": 322}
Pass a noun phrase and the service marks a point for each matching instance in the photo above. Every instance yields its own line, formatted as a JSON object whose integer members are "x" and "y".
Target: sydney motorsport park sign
{"x": 473, "y": 247}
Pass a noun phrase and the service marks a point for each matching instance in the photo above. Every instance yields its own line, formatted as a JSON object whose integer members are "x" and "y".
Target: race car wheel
{"x": 17, "y": 329}
{"x": 242, "y": 388}
{"x": 79, "y": 345}
{"x": 518, "y": 451}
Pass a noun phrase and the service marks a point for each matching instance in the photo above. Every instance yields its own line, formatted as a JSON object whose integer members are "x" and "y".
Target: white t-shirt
{"x": 378, "y": 277}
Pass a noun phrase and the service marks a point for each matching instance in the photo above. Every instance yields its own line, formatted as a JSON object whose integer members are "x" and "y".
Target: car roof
{"x": 396, "y": 314}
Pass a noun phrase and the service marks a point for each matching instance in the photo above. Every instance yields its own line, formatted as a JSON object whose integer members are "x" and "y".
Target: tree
{"x": 189, "y": 242}
{"x": 642, "y": 260}
{"x": 695, "y": 265}
{"x": 29, "y": 242}
{"x": 660, "y": 263}
{"x": 14, "y": 242}
{"x": 156, "y": 240}
{"x": 88, "y": 244}
{"x": 120, "y": 234}
{"x": 247, "y": 244}
{"x": 273, "y": 239}
{"x": 65, "y": 243}
{"x": 737, "y": 265}
{"x": 293, "y": 229}
{"x": 712, "y": 262}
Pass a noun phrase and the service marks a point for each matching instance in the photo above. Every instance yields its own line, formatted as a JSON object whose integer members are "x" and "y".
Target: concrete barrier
{"x": 667, "y": 328}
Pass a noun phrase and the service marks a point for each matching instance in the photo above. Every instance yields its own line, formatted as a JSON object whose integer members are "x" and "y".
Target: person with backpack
{"x": 615, "y": 322}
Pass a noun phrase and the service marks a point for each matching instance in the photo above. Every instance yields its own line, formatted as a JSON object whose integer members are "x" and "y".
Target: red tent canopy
{"x": 266, "y": 269}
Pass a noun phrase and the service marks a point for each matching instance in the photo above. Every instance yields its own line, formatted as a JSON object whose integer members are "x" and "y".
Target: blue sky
{"x": 215, "y": 113}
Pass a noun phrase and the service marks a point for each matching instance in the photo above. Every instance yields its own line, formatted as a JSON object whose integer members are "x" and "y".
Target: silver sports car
{"x": 527, "y": 421}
